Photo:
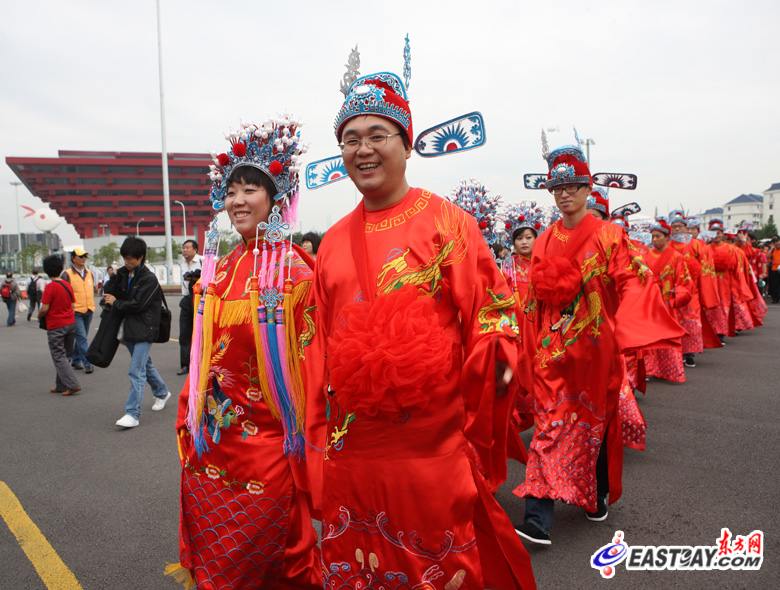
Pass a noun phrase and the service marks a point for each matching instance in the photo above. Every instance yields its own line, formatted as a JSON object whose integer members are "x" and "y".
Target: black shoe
{"x": 601, "y": 510}
{"x": 78, "y": 367}
{"x": 530, "y": 532}
{"x": 688, "y": 361}
{"x": 183, "y": 371}
{"x": 89, "y": 370}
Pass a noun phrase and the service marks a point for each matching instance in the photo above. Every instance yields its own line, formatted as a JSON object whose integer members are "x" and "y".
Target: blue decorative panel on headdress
{"x": 535, "y": 181}
{"x": 627, "y": 209}
{"x": 325, "y": 171}
{"x": 367, "y": 98}
{"x": 450, "y": 137}
{"x": 615, "y": 180}
{"x": 562, "y": 172}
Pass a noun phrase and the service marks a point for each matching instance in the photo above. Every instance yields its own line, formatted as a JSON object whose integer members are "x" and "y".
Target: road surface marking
{"x": 174, "y": 340}
{"x": 51, "y": 569}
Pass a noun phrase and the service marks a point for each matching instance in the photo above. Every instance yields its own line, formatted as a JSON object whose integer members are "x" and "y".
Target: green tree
{"x": 107, "y": 255}
{"x": 228, "y": 240}
{"x": 769, "y": 230}
{"x": 32, "y": 255}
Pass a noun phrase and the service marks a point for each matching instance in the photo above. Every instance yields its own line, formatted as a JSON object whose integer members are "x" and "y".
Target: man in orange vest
{"x": 83, "y": 283}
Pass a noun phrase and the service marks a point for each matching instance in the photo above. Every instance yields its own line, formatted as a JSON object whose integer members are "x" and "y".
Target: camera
{"x": 192, "y": 276}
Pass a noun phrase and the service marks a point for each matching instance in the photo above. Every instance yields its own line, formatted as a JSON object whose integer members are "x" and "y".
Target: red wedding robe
{"x": 733, "y": 287}
{"x": 578, "y": 367}
{"x": 690, "y": 315}
{"x": 517, "y": 276}
{"x": 671, "y": 276}
{"x": 416, "y": 315}
{"x": 245, "y": 520}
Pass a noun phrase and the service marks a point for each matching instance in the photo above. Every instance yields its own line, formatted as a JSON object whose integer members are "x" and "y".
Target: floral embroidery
{"x": 214, "y": 472}
{"x": 255, "y": 487}
{"x": 249, "y": 429}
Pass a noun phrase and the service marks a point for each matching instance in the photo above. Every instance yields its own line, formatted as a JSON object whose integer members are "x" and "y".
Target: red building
{"x": 107, "y": 193}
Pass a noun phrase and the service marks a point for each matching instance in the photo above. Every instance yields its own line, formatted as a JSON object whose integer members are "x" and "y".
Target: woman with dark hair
{"x": 245, "y": 518}
{"x": 57, "y": 315}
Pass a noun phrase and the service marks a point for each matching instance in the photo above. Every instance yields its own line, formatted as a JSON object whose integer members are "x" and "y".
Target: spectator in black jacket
{"x": 135, "y": 293}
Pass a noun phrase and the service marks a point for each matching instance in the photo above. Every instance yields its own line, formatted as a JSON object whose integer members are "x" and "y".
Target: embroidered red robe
{"x": 415, "y": 316}
{"x": 577, "y": 363}
{"x": 674, "y": 282}
{"x": 245, "y": 519}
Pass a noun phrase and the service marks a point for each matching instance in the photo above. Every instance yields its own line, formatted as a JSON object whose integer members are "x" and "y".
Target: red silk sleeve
{"x": 490, "y": 341}
{"x": 641, "y": 319}
{"x": 682, "y": 288}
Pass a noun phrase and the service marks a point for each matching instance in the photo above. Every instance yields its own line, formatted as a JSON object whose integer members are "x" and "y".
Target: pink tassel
{"x": 196, "y": 352}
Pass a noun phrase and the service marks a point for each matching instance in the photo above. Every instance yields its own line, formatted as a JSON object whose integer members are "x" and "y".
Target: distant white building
{"x": 744, "y": 209}
{"x": 771, "y": 198}
{"x": 709, "y": 215}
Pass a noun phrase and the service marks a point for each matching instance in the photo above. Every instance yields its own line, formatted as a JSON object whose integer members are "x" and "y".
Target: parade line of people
{"x": 382, "y": 389}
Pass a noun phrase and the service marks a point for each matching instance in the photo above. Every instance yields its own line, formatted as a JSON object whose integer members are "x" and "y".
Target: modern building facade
{"x": 771, "y": 199}
{"x": 744, "y": 209}
{"x": 105, "y": 194}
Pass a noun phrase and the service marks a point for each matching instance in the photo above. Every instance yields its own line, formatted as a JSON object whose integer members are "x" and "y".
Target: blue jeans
{"x": 141, "y": 372}
{"x": 11, "y": 305}
{"x": 82, "y": 344}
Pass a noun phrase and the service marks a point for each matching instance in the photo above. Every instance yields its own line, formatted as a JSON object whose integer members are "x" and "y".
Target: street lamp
{"x": 184, "y": 217}
{"x": 166, "y": 191}
{"x": 16, "y": 184}
{"x": 137, "y": 230}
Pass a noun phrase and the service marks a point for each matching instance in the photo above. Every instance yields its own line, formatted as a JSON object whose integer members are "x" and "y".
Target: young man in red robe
{"x": 591, "y": 301}
{"x": 674, "y": 281}
{"x": 713, "y": 322}
{"x": 419, "y": 330}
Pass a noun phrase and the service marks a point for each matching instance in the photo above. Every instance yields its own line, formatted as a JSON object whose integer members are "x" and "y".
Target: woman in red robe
{"x": 420, "y": 331}
{"x": 245, "y": 517}
{"x": 591, "y": 301}
{"x": 674, "y": 282}
{"x": 689, "y": 316}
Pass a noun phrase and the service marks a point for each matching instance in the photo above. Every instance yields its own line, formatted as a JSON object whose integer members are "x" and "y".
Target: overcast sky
{"x": 685, "y": 94}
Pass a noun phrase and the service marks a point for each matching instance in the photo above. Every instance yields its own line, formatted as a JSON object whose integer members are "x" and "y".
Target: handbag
{"x": 105, "y": 343}
{"x": 164, "y": 331}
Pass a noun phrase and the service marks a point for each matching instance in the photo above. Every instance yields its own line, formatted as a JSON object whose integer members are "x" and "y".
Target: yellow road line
{"x": 51, "y": 569}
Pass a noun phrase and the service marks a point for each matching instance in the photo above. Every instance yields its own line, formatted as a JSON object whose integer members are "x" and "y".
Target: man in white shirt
{"x": 190, "y": 273}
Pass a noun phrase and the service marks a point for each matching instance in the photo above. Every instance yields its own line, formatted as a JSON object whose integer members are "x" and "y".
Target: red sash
{"x": 357, "y": 238}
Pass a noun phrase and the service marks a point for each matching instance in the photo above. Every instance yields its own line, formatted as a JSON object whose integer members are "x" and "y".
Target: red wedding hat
{"x": 382, "y": 94}
{"x": 599, "y": 200}
{"x": 662, "y": 226}
{"x": 715, "y": 224}
{"x": 567, "y": 166}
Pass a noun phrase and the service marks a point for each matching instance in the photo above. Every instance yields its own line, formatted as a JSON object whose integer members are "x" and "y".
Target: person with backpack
{"x": 135, "y": 293}
{"x": 10, "y": 293}
{"x": 58, "y": 318}
{"x": 34, "y": 291}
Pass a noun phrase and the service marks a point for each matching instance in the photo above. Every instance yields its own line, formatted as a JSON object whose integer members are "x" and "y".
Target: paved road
{"x": 107, "y": 499}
